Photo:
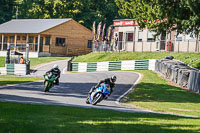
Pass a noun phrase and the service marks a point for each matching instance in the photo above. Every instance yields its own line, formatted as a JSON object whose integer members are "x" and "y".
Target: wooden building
{"x": 57, "y": 37}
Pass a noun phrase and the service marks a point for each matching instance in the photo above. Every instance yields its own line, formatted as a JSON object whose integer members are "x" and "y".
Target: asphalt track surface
{"x": 72, "y": 91}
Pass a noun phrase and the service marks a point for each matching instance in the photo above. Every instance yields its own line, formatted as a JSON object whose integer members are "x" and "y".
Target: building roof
{"x": 123, "y": 19}
{"x": 30, "y": 25}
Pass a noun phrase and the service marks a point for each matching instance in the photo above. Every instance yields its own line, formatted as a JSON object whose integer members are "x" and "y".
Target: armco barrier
{"x": 180, "y": 73}
{"x": 114, "y": 65}
{"x": 14, "y": 69}
{"x": 91, "y": 67}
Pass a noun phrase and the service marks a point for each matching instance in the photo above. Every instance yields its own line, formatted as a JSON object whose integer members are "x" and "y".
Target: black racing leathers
{"x": 105, "y": 81}
{"x": 55, "y": 72}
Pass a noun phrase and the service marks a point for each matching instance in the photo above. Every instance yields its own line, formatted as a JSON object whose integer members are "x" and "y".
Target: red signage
{"x": 125, "y": 23}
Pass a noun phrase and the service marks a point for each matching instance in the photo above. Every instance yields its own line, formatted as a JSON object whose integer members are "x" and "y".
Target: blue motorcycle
{"x": 98, "y": 94}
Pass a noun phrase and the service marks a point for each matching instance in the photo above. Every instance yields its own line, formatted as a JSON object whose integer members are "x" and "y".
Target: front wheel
{"x": 46, "y": 86}
{"x": 97, "y": 99}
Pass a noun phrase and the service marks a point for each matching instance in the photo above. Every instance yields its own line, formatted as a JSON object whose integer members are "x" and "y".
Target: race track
{"x": 72, "y": 91}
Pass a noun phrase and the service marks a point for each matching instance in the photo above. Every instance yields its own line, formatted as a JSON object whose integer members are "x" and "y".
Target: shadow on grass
{"x": 146, "y": 92}
{"x": 22, "y": 118}
{"x": 3, "y": 83}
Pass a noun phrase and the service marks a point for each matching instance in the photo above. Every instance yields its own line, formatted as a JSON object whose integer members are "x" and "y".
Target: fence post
{"x": 69, "y": 65}
{"x": 142, "y": 46}
{"x": 178, "y": 45}
{"x": 188, "y": 46}
{"x": 150, "y": 46}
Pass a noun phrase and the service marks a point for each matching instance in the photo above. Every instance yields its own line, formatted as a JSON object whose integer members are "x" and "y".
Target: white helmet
{"x": 113, "y": 78}
{"x": 55, "y": 66}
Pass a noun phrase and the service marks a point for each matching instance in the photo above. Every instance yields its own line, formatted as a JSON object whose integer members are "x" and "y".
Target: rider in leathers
{"x": 55, "y": 71}
{"x": 109, "y": 81}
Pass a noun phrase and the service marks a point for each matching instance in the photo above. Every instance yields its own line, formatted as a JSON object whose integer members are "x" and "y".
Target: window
{"x": 179, "y": 37}
{"x": 5, "y": 40}
{"x": 11, "y": 39}
{"x": 18, "y": 38}
{"x": 30, "y": 39}
{"x": 89, "y": 43}
{"x": 36, "y": 40}
{"x": 60, "y": 41}
{"x": 150, "y": 36}
{"x": 24, "y": 38}
{"x": 190, "y": 37}
{"x": 129, "y": 37}
{"x": 139, "y": 36}
{"x": 47, "y": 41}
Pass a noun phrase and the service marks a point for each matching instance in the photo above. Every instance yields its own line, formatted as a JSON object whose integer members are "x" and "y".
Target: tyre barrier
{"x": 114, "y": 65}
{"x": 180, "y": 73}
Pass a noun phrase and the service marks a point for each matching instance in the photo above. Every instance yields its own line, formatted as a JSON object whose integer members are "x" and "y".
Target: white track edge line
{"x": 132, "y": 87}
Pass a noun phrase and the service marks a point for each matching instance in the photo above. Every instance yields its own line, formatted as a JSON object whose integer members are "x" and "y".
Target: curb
{"x": 132, "y": 88}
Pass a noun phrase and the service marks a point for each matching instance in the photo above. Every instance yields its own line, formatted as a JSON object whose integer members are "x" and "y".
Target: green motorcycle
{"x": 49, "y": 79}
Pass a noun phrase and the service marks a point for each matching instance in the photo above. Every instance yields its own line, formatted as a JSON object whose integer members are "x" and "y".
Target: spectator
{"x": 21, "y": 60}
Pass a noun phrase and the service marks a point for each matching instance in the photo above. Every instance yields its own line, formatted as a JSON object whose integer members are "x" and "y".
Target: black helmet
{"x": 113, "y": 78}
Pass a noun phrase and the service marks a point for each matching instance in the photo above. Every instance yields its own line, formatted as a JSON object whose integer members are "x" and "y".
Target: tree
{"x": 182, "y": 15}
{"x": 6, "y": 10}
{"x": 83, "y": 11}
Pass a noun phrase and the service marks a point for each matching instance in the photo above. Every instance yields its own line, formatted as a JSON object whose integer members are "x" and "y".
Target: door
{"x": 120, "y": 40}
{"x": 41, "y": 44}
{"x": 162, "y": 42}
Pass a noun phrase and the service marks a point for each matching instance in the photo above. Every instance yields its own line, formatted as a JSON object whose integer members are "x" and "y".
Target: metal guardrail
{"x": 21, "y": 47}
{"x": 148, "y": 46}
{"x": 112, "y": 65}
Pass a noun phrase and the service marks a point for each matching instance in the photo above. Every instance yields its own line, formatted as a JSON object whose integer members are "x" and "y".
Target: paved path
{"x": 42, "y": 69}
{"x": 72, "y": 90}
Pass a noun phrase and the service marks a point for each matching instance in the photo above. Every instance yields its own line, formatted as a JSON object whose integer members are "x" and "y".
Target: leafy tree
{"x": 182, "y": 15}
{"x": 83, "y": 11}
{"x": 6, "y": 10}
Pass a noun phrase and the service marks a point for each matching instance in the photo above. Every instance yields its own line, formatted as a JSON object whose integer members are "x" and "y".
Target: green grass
{"x": 156, "y": 94}
{"x": 40, "y": 60}
{"x": 2, "y": 61}
{"x": 23, "y": 118}
{"x": 192, "y": 59}
{"x": 10, "y": 79}
{"x": 36, "y": 61}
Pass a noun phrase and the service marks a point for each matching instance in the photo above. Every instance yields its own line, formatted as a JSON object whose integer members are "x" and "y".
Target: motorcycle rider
{"x": 109, "y": 81}
{"x": 55, "y": 71}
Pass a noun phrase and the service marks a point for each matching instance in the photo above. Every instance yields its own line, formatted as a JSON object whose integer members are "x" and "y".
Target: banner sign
{"x": 111, "y": 33}
{"x": 94, "y": 32}
{"x": 125, "y": 23}
{"x": 108, "y": 33}
{"x": 103, "y": 32}
{"x": 98, "y": 31}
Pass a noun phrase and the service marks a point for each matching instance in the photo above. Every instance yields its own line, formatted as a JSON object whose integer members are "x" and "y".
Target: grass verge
{"x": 40, "y": 60}
{"x": 2, "y": 61}
{"x": 158, "y": 95}
{"x": 36, "y": 61}
{"x": 23, "y": 118}
{"x": 10, "y": 79}
{"x": 192, "y": 59}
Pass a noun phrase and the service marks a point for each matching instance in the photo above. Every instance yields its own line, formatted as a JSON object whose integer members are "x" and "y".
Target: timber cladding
{"x": 76, "y": 39}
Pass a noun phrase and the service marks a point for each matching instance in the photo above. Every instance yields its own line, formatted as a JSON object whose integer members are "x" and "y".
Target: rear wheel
{"x": 87, "y": 100}
{"x": 97, "y": 99}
